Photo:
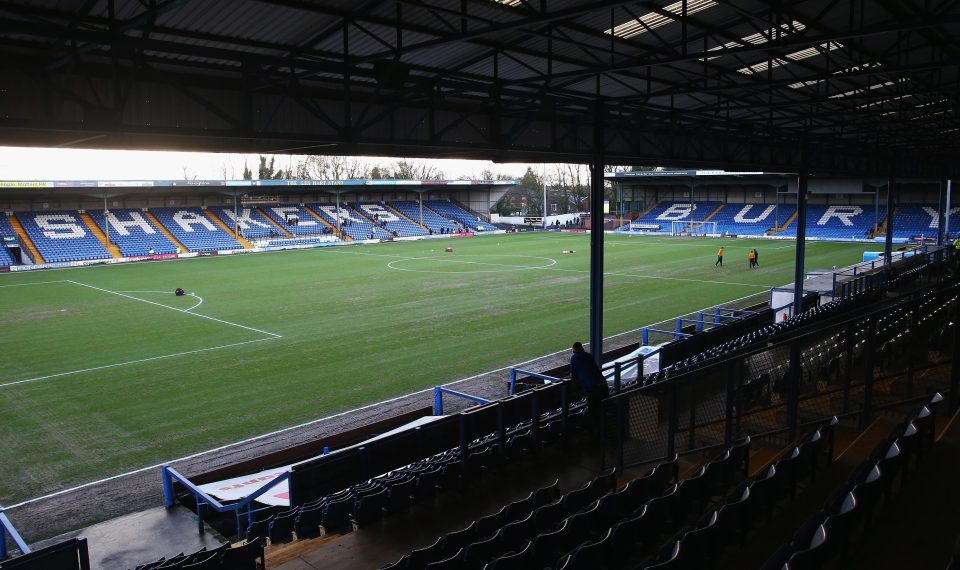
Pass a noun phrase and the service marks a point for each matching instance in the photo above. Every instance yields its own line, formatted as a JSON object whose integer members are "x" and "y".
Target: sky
{"x": 18, "y": 163}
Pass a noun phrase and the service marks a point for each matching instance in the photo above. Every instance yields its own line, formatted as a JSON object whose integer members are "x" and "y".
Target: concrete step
{"x": 141, "y": 537}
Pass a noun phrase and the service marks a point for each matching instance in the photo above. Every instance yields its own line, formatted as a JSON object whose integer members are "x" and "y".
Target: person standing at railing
{"x": 584, "y": 370}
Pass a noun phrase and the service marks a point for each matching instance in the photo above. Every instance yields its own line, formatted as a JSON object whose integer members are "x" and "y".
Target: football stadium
{"x": 386, "y": 372}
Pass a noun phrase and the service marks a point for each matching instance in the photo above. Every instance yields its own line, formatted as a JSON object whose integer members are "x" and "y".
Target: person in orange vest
{"x": 719, "y": 258}
{"x": 752, "y": 258}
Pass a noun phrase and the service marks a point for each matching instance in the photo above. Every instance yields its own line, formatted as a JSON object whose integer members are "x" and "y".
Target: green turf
{"x": 335, "y": 328}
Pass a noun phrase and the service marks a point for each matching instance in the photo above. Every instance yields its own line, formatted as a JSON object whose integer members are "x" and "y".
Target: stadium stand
{"x": 593, "y": 526}
{"x": 352, "y": 223}
{"x": 827, "y": 534}
{"x": 838, "y": 222}
{"x": 252, "y": 223}
{"x": 69, "y": 554}
{"x": 133, "y": 232}
{"x": 658, "y": 520}
{"x": 666, "y": 212}
{"x": 5, "y": 257}
{"x": 453, "y": 212}
{"x": 915, "y": 220}
{"x": 62, "y": 236}
{"x": 192, "y": 228}
{"x": 388, "y": 219}
{"x": 751, "y": 219}
{"x": 296, "y": 220}
{"x": 6, "y": 231}
{"x": 431, "y": 220}
{"x": 248, "y": 556}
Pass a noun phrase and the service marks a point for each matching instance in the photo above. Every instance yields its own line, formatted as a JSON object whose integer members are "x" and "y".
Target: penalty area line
{"x": 184, "y": 311}
{"x": 130, "y": 362}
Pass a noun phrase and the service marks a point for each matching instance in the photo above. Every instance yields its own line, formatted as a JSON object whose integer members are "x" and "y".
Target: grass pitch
{"x": 105, "y": 370}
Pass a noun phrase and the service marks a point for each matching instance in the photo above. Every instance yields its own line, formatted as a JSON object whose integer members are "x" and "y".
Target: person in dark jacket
{"x": 592, "y": 383}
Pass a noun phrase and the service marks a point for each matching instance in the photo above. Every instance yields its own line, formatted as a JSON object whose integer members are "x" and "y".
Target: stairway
{"x": 787, "y": 223}
{"x": 714, "y": 213}
{"x": 213, "y": 218}
{"x": 25, "y": 240}
{"x": 280, "y": 229}
{"x": 166, "y": 232}
{"x": 95, "y": 230}
{"x": 409, "y": 219}
{"x": 340, "y": 235}
{"x": 648, "y": 210}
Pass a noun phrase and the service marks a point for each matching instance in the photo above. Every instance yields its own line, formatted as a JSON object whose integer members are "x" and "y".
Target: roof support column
{"x": 801, "y": 222}
{"x": 946, "y": 212}
{"x": 891, "y": 188}
{"x": 940, "y": 208}
{"x": 596, "y": 236}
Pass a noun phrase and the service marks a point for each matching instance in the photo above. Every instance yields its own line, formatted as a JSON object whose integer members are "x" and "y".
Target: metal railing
{"x": 852, "y": 366}
{"x": 169, "y": 476}
{"x": 514, "y": 372}
{"x": 7, "y": 529}
{"x": 439, "y": 391}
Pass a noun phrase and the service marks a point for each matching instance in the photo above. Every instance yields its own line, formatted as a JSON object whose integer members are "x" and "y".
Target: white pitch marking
{"x": 507, "y": 265}
{"x": 129, "y": 362}
{"x": 194, "y": 295}
{"x": 551, "y": 268}
{"x": 186, "y": 311}
{"x": 35, "y": 283}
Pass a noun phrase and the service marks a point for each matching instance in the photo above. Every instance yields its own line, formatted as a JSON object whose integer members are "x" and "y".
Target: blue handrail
{"x": 169, "y": 475}
{"x": 645, "y": 334}
{"x": 6, "y": 527}
{"x": 513, "y": 378}
{"x": 439, "y": 391}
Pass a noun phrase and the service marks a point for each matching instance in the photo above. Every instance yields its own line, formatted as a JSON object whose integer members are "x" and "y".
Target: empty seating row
{"x": 423, "y": 216}
{"x": 390, "y": 220}
{"x": 249, "y": 222}
{"x": 132, "y": 232}
{"x": 6, "y": 231}
{"x": 457, "y": 214}
{"x": 589, "y": 527}
{"x": 6, "y": 258}
{"x": 192, "y": 228}
{"x": 752, "y": 219}
{"x": 840, "y": 221}
{"x": 826, "y": 534}
{"x": 62, "y": 236}
{"x": 915, "y": 220}
{"x": 296, "y": 220}
{"x": 761, "y": 335}
{"x": 358, "y": 505}
{"x": 6, "y": 228}
{"x": 751, "y": 503}
{"x": 351, "y": 223}
{"x": 508, "y": 528}
{"x": 249, "y": 556}
{"x": 665, "y": 213}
